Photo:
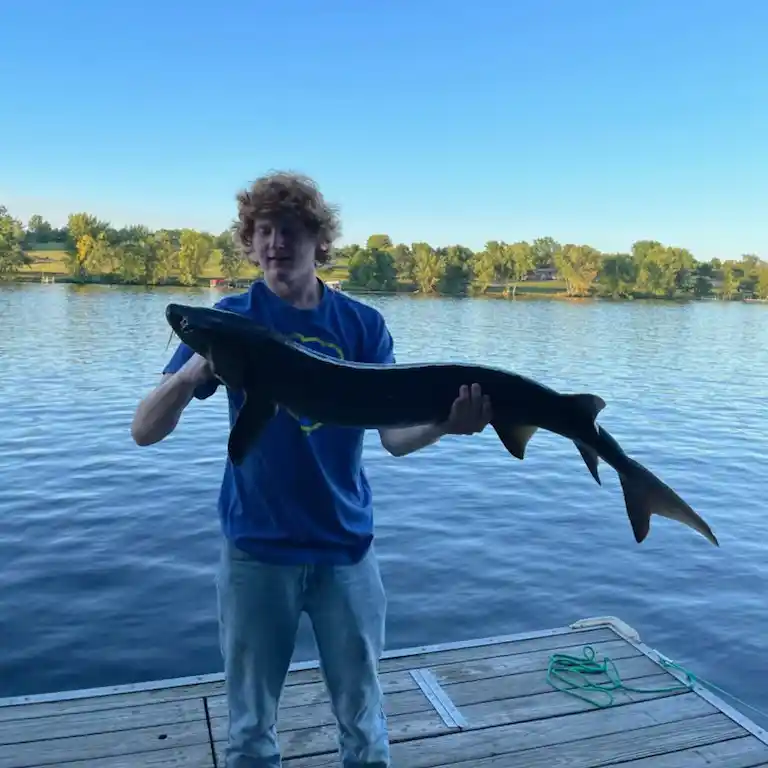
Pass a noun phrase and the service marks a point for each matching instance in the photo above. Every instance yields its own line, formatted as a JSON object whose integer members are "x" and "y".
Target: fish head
{"x": 226, "y": 339}
{"x": 205, "y": 328}
{"x": 195, "y": 326}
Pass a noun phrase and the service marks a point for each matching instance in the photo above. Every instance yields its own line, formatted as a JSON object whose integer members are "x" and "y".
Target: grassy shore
{"x": 52, "y": 263}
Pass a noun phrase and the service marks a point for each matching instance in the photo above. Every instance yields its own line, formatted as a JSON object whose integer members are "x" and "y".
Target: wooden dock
{"x": 474, "y": 704}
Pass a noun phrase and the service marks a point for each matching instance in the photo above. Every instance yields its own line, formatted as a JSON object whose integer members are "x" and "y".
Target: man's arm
{"x": 187, "y": 375}
{"x": 470, "y": 413}
{"x": 400, "y": 441}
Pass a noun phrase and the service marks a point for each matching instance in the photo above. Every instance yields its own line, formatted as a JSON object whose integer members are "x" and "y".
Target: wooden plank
{"x": 487, "y": 651}
{"x": 148, "y": 686}
{"x": 197, "y": 756}
{"x": 744, "y": 752}
{"x": 407, "y": 704}
{"x": 618, "y": 747}
{"x": 306, "y": 742}
{"x": 215, "y": 679}
{"x": 481, "y": 696}
{"x": 99, "y": 746}
{"x": 525, "y": 684}
{"x": 554, "y": 704}
{"x": 473, "y": 669}
{"x": 703, "y": 691}
{"x": 315, "y": 731}
{"x": 69, "y": 702}
{"x": 111, "y": 701}
{"x": 101, "y": 721}
{"x": 630, "y": 664}
{"x": 471, "y": 745}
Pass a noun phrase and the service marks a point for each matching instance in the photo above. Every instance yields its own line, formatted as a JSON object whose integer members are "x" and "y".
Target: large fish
{"x": 272, "y": 370}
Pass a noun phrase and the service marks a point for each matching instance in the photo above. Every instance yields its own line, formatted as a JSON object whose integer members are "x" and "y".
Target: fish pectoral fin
{"x": 249, "y": 424}
{"x": 591, "y": 459}
{"x": 226, "y": 368}
{"x": 515, "y": 438}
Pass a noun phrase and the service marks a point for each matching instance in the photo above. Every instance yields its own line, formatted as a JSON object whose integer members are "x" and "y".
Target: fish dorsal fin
{"x": 249, "y": 424}
{"x": 515, "y": 438}
{"x": 589, "y": 404}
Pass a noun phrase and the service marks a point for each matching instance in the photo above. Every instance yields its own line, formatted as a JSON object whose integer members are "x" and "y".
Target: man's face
{"x": 283, "y": 248}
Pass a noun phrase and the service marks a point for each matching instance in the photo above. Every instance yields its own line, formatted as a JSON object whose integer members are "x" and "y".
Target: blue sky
{"x": 592, "y": 121}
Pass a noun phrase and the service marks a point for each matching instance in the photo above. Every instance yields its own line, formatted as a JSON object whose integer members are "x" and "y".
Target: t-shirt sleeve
{"x": 380, "y": 343}
{"x": 180, "y": 356}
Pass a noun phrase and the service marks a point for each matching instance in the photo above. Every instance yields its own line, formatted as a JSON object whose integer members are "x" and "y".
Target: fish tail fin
{"x": 646, "y": 495}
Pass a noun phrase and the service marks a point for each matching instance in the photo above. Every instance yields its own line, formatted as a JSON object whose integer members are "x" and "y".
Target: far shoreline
{"x": 494, "y": 292}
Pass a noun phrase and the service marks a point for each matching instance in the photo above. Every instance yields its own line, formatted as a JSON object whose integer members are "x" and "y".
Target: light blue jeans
{"x": 259, "y": 610}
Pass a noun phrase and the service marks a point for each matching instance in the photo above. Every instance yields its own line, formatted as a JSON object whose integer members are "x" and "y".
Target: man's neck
{"x": 304, "y": 293}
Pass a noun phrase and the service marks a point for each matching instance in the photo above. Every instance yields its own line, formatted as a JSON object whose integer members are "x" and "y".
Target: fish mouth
{"x": 177, "y": 318}
{"x": 182, "y": 321}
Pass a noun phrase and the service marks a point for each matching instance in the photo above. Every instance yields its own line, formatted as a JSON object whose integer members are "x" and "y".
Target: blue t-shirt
{"x": 301, "y": 494}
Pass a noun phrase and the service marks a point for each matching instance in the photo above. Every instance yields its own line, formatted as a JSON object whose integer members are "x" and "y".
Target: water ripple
{"x": 109, "y": 550}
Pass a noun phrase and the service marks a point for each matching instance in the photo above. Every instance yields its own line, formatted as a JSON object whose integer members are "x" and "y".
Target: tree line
{"x": 132, "y": 254}
{"x": 139, "y": 255}
{"x": 649, "y": 269}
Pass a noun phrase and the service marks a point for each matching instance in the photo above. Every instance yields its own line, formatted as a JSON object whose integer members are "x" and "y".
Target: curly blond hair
{"x": 282, "y": 192}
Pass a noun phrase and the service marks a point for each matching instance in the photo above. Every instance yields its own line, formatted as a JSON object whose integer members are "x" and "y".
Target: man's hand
{"x": 470, "y": 413}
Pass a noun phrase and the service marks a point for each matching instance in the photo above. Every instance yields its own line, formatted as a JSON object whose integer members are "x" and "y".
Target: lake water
{"x": 108, "y": 550}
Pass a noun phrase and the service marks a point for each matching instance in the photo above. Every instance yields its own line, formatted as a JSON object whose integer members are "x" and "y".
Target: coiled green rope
{"x": 580, "y": 676}
{"x": 571, "y": 674}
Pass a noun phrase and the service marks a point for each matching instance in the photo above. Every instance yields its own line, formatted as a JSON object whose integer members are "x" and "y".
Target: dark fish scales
{"x": 272, "y": 370}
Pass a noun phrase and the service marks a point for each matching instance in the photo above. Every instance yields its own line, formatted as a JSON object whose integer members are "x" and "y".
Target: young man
{"x": 296, "y": 515}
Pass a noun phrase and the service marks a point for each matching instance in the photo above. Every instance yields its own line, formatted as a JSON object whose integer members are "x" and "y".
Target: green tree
{"x": 664, "y": 271}
{"x": 730, "y": 280}
{"x": 346, "y": 252}
{"x": 83, "y": 230}
{"x": 761, "y": 284}
{"x": 427, "y": 267}
{"x": 618, "y": 274}
{"x": 517, "y": 262}
{"x": 702, "y": 279}
{"x": 136, "y": 254}
{"x": 379, "y": 243}
{"x": 231, "y": 260}
{"x": 39, "y": 231}
{"x": 12, "y": 254}
{"x": 543, "y": 252}
{"x": 195, "y": 251}
{"x": 578, "y": 266}
{"x": 750, "y": 264}
{"x": 404, "y": 262}
{"x": 166, "y": 255}
{"x": 456, "y": 271}
{"x": 485, "y": 265}
{"x": 373, "y": 270}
